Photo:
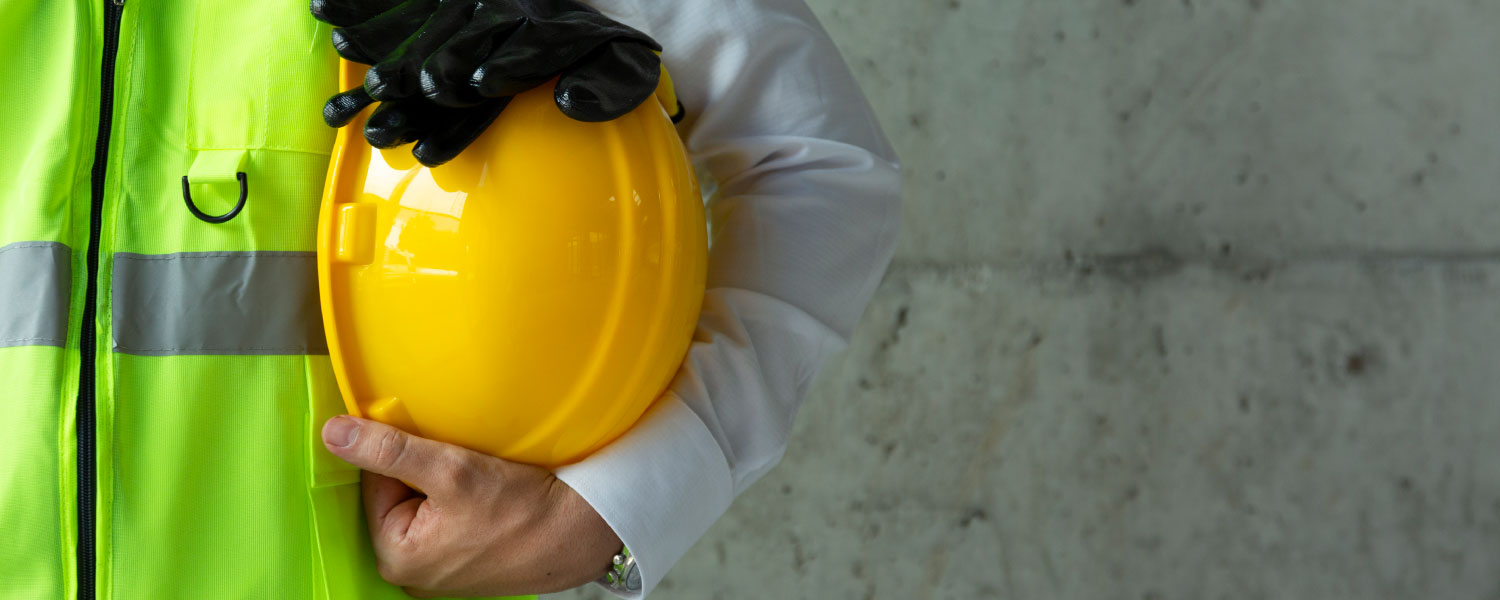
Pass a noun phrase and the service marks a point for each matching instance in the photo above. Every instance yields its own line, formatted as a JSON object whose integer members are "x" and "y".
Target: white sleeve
{"x": 802, "y": 225}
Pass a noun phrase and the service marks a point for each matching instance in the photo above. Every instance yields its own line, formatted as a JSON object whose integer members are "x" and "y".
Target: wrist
{"x": 595, "y": 543}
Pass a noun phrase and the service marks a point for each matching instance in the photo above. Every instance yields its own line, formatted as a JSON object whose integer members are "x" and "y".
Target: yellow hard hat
{"x": 529, "y": 299}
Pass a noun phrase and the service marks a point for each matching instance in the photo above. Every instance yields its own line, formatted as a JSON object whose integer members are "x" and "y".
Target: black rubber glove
{"x": 441, "y": 132}
{"x": 444, "y": 69}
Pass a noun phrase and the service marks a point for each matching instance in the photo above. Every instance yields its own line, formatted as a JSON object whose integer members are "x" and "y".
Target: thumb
{"x": 610, "y": 82}
{"x": 433, "y": 466}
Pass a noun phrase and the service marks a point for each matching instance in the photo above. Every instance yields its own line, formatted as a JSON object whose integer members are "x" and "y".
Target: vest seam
{"x": 264, "y": 147}
{"x": 20, "y": 245}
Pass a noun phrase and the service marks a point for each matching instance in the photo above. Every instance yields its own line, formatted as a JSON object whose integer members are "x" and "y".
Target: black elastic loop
{"x": 244, "y": 193}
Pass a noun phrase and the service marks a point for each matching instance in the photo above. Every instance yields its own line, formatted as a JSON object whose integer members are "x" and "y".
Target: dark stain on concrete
{"x": 1152, "y": 262}
{"x": 1364, "y": 361}
{"x": 1257, "y": 274}
{"x": 799, "y": 558}
{"x": 895, "y": 335}
{"x": 972, "y": 515}
{"x": 1355, "y": 364}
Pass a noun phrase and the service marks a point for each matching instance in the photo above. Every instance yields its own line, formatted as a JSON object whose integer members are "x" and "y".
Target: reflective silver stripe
{"x": 35, "y": 285}
{"x": 217, "y": 303}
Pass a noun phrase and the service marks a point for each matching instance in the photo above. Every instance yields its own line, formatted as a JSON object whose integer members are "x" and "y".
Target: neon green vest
{"x": 176, "y": 402}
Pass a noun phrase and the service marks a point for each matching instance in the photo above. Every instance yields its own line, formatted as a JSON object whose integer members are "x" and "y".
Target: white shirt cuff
{"x": 659, "y": 487}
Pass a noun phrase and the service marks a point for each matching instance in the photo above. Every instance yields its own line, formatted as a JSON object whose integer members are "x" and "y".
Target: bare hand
{"x": 485, "y": 526}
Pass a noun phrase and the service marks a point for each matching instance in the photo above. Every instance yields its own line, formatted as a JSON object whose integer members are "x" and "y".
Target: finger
{"x": 512, "y": 69}
{"x": 396, "y": 123}
{"x": 446, "y": 142}
{"x": 539, "y": 50}
{"x": 390, "y": 506}
{"x": 343, "y": 107}
{"x": 521, "y": 64}
{"x": 433, "y": 466}
{"x": 444, "y": 84}
{"x": 374, "y": 39}
{"x": 609, "y": 83}
{"x": 397, "y": 75}
{"x": 447, "y": 75}
{"x": 343, "y": 13}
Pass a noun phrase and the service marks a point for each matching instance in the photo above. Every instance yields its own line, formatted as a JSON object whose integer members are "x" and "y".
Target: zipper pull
{"x": 118, "y": 2}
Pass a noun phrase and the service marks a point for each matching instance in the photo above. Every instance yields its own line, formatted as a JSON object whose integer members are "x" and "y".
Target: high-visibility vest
{"x": 163, "y": 378}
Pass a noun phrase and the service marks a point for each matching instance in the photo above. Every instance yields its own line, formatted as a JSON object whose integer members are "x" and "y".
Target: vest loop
{"x": 244, "y": 193}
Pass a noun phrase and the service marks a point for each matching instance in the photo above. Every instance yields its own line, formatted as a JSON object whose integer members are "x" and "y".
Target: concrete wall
{"x": 1194, "y": 299}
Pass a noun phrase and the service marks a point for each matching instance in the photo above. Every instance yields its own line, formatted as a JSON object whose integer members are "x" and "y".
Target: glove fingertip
{"x": 431, "y": 155}
{"x": 375, "y": 84}
{"x": 382, "y": 138}
{"x": 388, "y": 128}
{"x": 342, "y": 107}
{"x": 389, "y": 80}
{"x": 446, "y": 143}
{"x": 586, "y": 107}
{"x": 327, "y": 12}
{"x": 445, "y": 93}
{"x": 347, "y": 47}
{"x": 609, "y": 86}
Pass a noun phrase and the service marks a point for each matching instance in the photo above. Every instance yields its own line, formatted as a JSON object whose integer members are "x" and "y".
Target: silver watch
{"x": 623, "y": 575}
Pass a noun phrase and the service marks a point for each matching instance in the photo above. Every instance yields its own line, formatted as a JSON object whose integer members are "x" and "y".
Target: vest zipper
{"x": 87, "y": 350}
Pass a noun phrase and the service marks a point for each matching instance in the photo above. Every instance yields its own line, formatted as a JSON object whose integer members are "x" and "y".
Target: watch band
{"x": 623, "y": 576}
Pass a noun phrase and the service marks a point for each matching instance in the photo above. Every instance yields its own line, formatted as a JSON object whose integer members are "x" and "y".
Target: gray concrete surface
{"x": 1194, "y": 299}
